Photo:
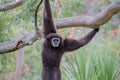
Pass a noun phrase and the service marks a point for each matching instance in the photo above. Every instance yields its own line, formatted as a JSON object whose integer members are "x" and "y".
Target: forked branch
{"x": 82, "y": 21}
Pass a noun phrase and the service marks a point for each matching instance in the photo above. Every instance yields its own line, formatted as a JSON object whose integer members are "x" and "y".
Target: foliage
{"x": 100, "y": 63}
{"x": 96, "y": 61}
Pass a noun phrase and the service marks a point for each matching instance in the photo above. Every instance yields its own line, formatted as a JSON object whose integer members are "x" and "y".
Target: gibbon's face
{"x": 55, "y": 41}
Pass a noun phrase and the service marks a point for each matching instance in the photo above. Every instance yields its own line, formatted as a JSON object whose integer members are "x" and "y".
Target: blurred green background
{"x": 99, "y": 60}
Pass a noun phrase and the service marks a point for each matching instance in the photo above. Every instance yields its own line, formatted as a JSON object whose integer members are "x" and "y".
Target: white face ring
{"x": 55, "y": 42}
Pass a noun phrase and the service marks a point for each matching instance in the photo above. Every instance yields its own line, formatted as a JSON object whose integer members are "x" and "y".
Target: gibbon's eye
{"x": 55, "y": 42}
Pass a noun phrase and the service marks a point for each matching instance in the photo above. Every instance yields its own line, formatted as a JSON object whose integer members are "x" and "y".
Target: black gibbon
{"x": 54, "y": 45}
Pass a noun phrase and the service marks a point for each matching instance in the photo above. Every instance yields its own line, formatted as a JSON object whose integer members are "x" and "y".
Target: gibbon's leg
{"x": 46, "y": 74}
{"x": 56, "y": 74}
{"x": 71, "y": 44}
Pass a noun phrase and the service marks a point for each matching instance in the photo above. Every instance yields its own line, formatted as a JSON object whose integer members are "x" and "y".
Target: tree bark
{"x": 90, "y": 21}
{"x": 19, "y": 64}
{"x": 82, "y": 21}
{"x": 11, "y": 5}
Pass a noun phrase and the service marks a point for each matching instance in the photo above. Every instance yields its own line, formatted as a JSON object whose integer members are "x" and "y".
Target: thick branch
{"x": 84, "y": 21}
{"x": 89, "y": 21}
{"x": 11, "y": 5}
{"x": 13, "y": 45}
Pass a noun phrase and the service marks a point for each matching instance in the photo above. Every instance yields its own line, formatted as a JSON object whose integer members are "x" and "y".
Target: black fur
{"x": 51, "y": 56}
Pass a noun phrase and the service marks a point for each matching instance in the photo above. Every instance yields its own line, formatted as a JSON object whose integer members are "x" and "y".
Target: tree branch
{"x": 13, "y": 45}
{"x": 84, "y": 21}
{"x": 11, "y": 5}
{"x": 90, "y": 21}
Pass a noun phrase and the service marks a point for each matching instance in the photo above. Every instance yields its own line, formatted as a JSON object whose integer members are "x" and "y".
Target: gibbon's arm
{"x": 48, "y": 25}
{"x": 71, "y": 44}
